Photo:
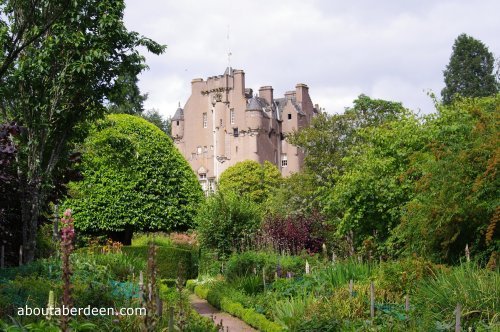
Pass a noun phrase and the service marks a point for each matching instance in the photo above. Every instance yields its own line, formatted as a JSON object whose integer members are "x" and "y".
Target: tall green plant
{"x": 225, "y": 221}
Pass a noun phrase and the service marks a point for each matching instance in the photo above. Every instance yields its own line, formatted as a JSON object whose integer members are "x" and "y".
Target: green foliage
{"x": 470, "y": 72}
{"x": 220, "y": 298}
{"x": 134, "y": 179}
{"x": 225, "y": 220}
{"x": 125, "y": 96}
{"x": 243, "y": 264}
{"x": 168, "y": 260}
{"x": 369, "y": 196}
{"x": 457, "y": 190}
{"x": 477, "y": 290}
{"x": 251, "y": 179}
{"x": 72, "y": 54}
{"x": 290, "y": 312}
{"x": 154, "y": 116}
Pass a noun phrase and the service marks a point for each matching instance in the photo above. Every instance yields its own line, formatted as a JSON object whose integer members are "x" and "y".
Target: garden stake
{"x": 467, "y": 252}
{"x": 264, "y": 277}
{"x": 351, "y": 286}
{"x": 334, "y": 257}
{"x": 2, "y": 257}
{"x": 141, "y": 288}
{"x": 407, "y": 303}
{"x": 171, "y": 319}
{"x": 20, "y": 255}
{"x": 372, "y": 300}
{"x": 307, "y": 267}
{"x": 458, "y": 313}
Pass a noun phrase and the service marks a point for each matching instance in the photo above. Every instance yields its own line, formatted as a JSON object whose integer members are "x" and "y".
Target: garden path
{"x": 230, "y": 323}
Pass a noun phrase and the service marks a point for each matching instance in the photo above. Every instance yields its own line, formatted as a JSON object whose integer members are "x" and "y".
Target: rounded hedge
{"x": 134, "y": 179}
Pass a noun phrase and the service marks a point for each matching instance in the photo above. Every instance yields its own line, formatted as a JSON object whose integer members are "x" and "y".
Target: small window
{"x": 177, "y": 122}
{"x": 236, "y": 149}
{"x": 205, "y": 120}
{"x": 193, "y": 155}
{"x": 198, "y": 150}
{"x": 205, "y": 149}
{"x": 220, "y": 122}
{"x": 211, "y": 147}
{"x": 284, "y": 160}
{"x": 236, "y": 133}
{"x": 231, "y": 116}
{"x": 289, "y": 116}
{"x": 203, "y": 176}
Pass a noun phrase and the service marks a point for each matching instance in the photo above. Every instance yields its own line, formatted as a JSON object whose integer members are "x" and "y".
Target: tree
{"x": 249, "y": 178}
{"x": 226, "y": 220}
{"x": 134, "y": 180}
{"x": 470, "y": 72}
{"x": 457, "y": 193}
{"x": 125, "y": 96}
{"x": 154, "y": 116}
{"x": 56, "y": 88}
{"x": 369, "y": 197}
{"x": 330, "y": 137}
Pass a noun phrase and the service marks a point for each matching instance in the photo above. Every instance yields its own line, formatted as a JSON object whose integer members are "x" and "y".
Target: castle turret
{"x": 178, "y": 123}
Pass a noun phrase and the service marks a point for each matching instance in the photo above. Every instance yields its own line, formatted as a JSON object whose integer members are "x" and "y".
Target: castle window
{"x": 236, "y": 149}
{"x": 220, "y": 122}
{"x": 284, "y": 160}
{"x": 289, "y": 116}
{"x": 236, "y": 133}
{"x": 203, "y": 176}
{"x": 205, "y": 149}
{"x": 231, "y": 116}
{"x": 205, "y": 120}
{"x": 177, "y": 122}
{"x": 198, "y": 150}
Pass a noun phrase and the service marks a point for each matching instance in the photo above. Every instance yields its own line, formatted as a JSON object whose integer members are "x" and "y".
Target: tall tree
{"x": 470, "y": 72}
{"x": 57, "y": 86}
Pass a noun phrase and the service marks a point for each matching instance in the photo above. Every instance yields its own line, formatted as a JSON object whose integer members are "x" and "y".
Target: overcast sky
{"x": 395, "y": 50}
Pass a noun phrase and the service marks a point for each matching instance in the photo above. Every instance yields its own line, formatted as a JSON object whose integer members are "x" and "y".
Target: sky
{"x": 394, "y": 50}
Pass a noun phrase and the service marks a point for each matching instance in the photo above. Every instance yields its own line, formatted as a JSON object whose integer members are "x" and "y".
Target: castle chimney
{"x": 266, "y": 92}
{"x": 301, "y": 92}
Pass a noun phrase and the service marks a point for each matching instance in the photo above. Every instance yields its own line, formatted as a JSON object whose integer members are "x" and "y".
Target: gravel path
{"x": 230, "y": 323}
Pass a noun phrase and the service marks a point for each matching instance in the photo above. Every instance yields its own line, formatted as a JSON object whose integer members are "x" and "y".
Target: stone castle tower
{"x": 223, "y": 123}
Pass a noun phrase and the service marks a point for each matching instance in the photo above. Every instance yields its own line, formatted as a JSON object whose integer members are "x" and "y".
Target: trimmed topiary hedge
{"x": 169, "y": 260}
{"x": 249, "y": 315}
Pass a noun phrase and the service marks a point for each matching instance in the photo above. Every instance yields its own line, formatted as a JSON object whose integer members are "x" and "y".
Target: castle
{"x": 223, "y": 123}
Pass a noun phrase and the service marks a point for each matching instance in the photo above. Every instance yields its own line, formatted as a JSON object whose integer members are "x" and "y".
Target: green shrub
{"x": 226, "y": 299}
{"x": 244, "y": 264}
{"x": 477, "y": 290}
{"x": 134, "y": 180}
{"x": 225, "y": 221}
{"x": 170, "y": 260}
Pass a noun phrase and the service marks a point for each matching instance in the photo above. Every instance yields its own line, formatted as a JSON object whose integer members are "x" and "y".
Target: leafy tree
{"x": 457, "y": 193}
{"x": 249, "y": 178}
{"x": 225, "y": 220}
{"x": 470, "y": 72}
{"x": 368, "y": 198}
{"x": 330, "y": 137}
{"x": 134, "y": 180}
{"x": 125, "y": 96}
{"x": 154, "y": 116}
{"x": 57, "y": 84}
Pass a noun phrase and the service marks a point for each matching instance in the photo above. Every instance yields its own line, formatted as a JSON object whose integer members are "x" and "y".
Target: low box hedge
{"x": 169, "y": 260}
{"x": 248, "y": 315}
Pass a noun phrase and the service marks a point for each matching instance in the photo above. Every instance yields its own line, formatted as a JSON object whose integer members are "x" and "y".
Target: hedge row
{"x": 171, "y": 261}
{"x": 248, "y": 315}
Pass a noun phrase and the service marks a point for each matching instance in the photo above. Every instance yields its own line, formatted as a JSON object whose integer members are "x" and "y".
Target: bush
{"x": 477, "y": 290}
{"x": 225, "y": 221}
{"x": 295, "y": 232}
{"x": 170, "y": 260}
{"x": 134, "y": 180}
{"x": 220, "y": 298}
{"x": 243, "y": 264}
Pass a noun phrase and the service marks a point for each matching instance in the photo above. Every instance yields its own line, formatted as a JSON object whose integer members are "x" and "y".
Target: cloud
{"x": 385, "y": 49}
